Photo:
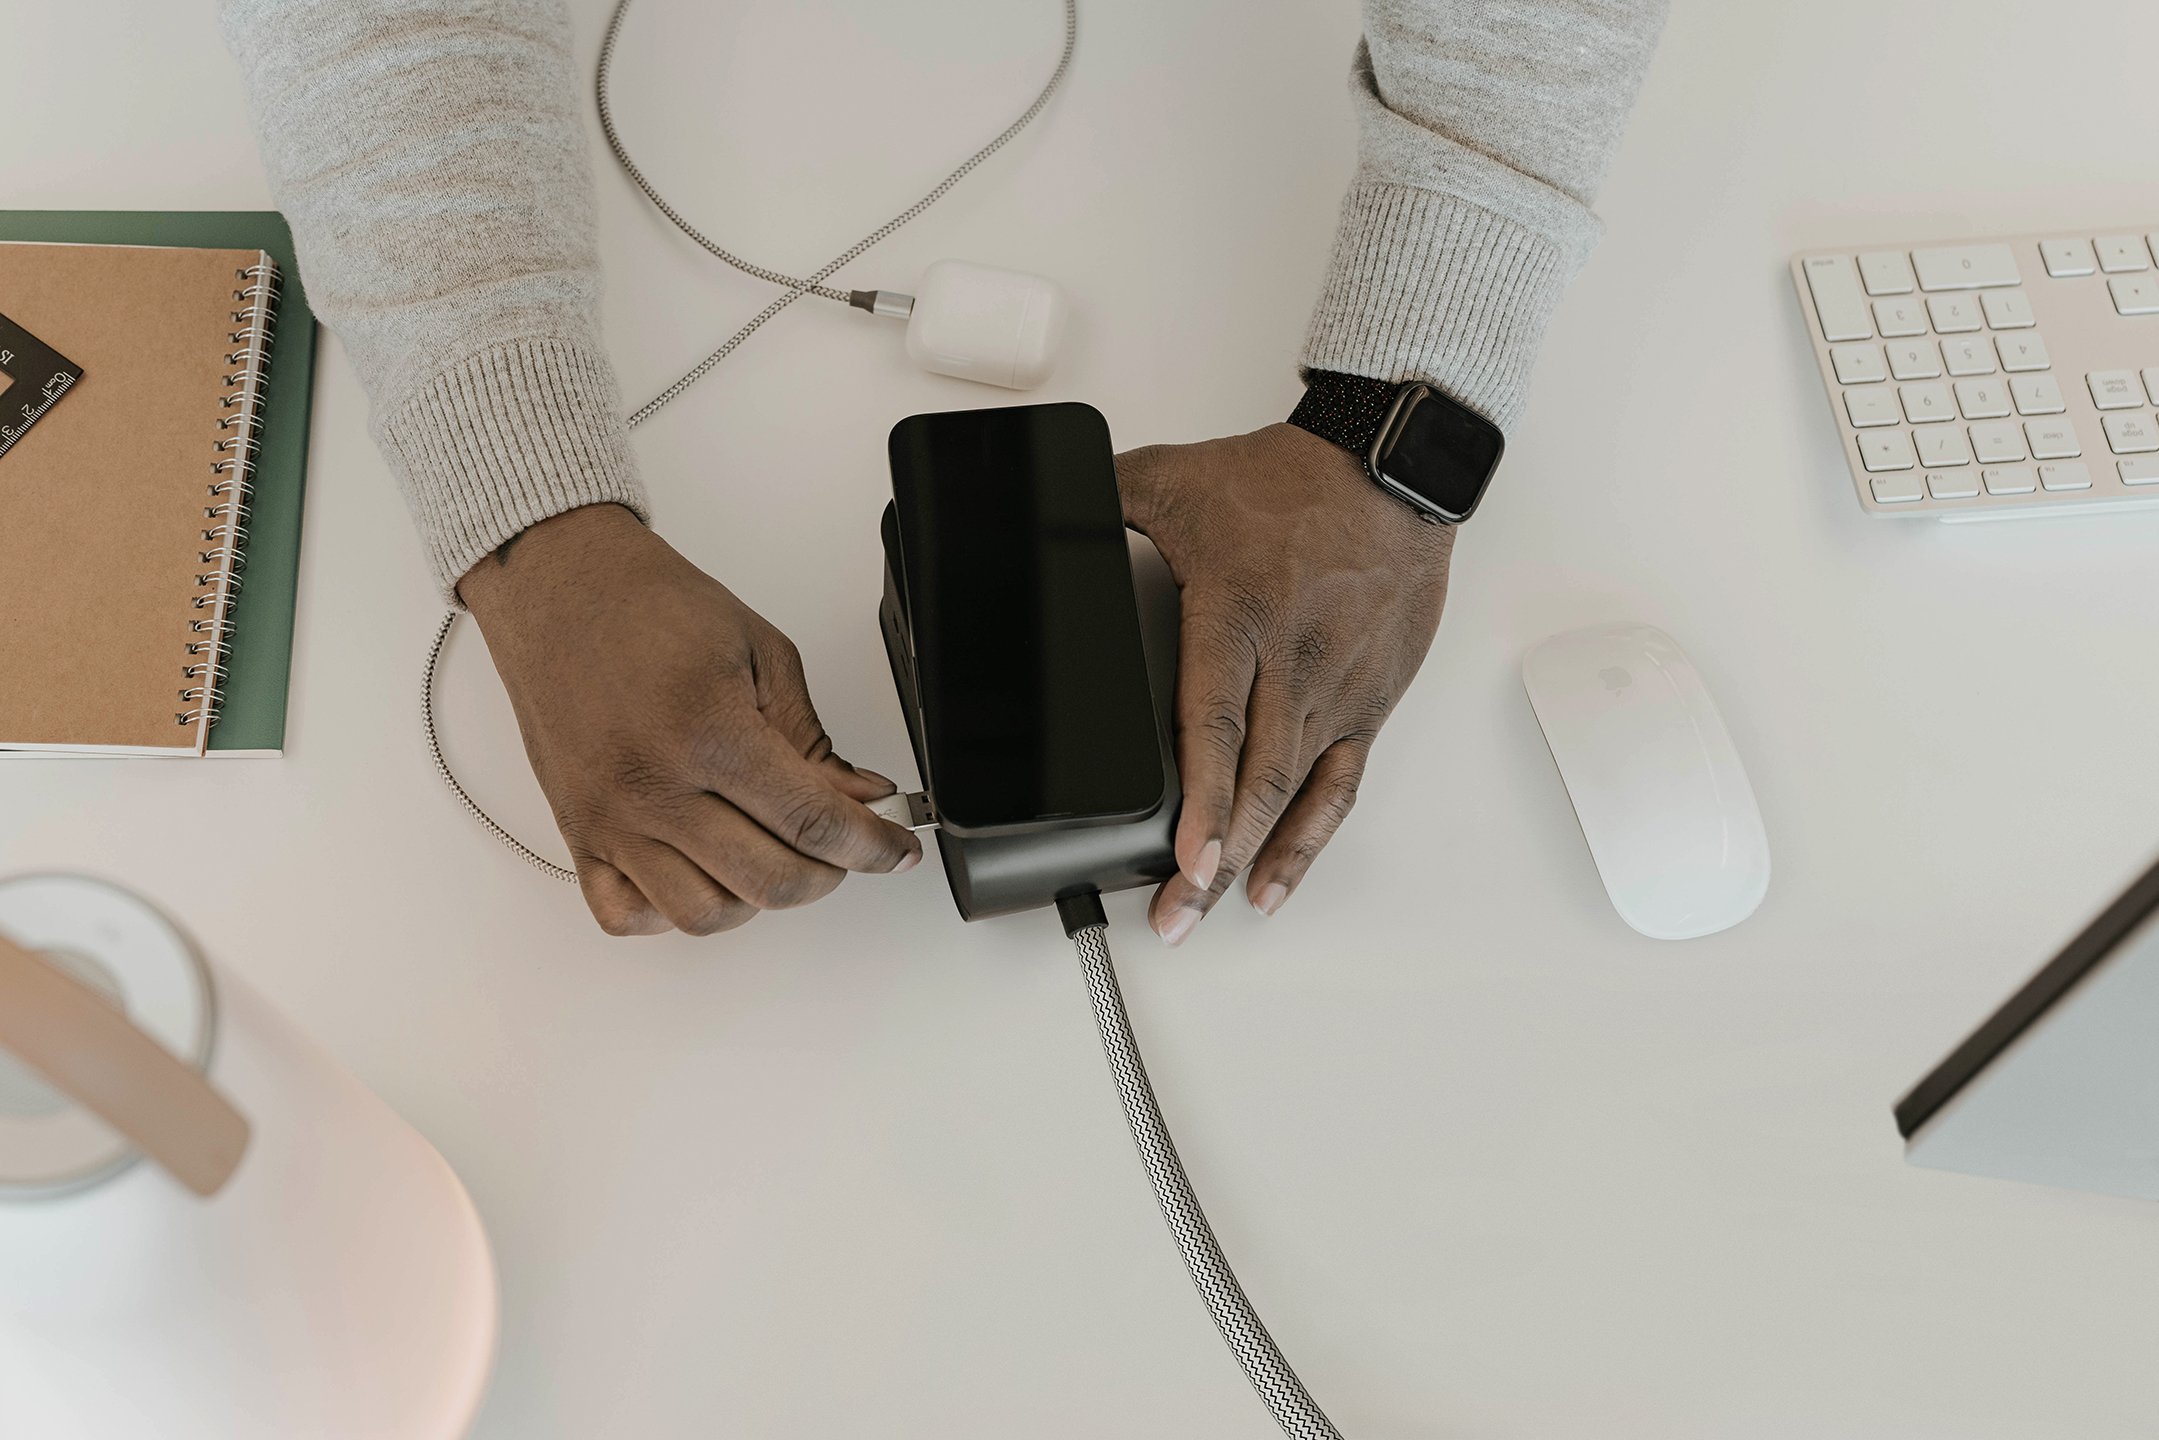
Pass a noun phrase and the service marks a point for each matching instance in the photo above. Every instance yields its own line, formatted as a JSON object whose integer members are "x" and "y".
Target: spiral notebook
{"x": 128, "y": 498}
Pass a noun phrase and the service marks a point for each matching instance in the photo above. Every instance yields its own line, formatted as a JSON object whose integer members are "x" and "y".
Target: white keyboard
{"x": 1995, "y": 378}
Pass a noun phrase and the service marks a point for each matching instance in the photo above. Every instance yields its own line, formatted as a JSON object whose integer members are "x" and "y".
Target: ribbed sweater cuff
{"x": 504, "y": 439}
{"x": 1424, "y": 285}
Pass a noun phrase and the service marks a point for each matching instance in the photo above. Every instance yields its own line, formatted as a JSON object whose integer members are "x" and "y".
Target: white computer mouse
{"x": 1664, "y": 802}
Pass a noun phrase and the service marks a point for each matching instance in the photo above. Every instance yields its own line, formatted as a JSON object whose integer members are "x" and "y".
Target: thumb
{"x": 854, "y": 782}
{"x": 1142, "y": 480}
{"x": 783, "y": 697}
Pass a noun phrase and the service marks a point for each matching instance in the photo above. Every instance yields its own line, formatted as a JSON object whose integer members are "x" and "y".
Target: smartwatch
{"x": 1418, "y": 443}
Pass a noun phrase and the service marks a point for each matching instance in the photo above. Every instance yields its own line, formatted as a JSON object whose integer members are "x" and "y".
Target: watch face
{"x": 1437, "y": 453}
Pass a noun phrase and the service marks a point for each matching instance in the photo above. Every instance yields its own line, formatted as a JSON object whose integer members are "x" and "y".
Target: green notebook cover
{"x": 252, "y": 716}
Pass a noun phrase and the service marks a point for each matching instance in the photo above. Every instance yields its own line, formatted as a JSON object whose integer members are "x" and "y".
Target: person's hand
{"x": 1310, "y": 596}
{"x": 672, "y": 730}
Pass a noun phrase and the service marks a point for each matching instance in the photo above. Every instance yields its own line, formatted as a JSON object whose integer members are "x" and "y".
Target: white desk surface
{"x": 1491, "y": 1164}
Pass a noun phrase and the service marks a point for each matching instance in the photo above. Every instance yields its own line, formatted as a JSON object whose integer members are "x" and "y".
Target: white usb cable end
{"x": 909, "y": 809}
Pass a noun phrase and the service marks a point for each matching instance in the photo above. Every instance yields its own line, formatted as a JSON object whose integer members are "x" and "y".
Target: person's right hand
{"x": 672, "y": 730}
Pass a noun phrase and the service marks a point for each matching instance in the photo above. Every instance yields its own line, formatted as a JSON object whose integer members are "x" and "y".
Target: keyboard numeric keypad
{"x": 1858, "y": 364}
{"x": 1953, "y": 314}
{"x": 2022, "y": 352}
{"x": 2052, "y": 439}
{"x": 1999, "y": 443}
{"x": 2036, "y": 394}
{"x": 2007, "y": 309}
{"x": 2122, "y": 254}
{"x": 1982, "y": 399}
{"x": 1914, "y": 359}
{"x": 1945, "y": 385}
{"x": 1926, "y": 404}
{"x": 1972, "y": 355}
{"x": 1944, "y": 446}
{"x": 2067, "y": 257}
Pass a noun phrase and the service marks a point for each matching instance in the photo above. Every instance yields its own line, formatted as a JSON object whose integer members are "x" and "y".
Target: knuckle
{"x": 718, "y": 915}
{"x": 1270, "y": 781}
{"x": 1337, "y": 800}
{"x": 1251, "y": 610}
{"x": 786, "y": 886}
{"x": 619, "y": 919}
{"x": 815, "y": 826}
{"x": 1310, "y": 651}
{"x": 1224, "y": 735}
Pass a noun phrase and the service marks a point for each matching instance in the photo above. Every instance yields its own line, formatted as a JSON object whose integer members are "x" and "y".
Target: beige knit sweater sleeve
{"x": 431, "y": 159}
{"x": 1484, "y": 128}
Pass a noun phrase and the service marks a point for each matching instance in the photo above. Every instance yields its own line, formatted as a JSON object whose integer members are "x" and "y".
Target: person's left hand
{"x": 1310, "y": 597}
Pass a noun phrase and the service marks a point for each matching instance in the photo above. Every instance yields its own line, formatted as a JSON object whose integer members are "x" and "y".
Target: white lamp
{"x": 335, "y": 1282}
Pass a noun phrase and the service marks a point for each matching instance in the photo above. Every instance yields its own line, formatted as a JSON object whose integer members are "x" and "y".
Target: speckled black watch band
{"x": 1345, "y": 409}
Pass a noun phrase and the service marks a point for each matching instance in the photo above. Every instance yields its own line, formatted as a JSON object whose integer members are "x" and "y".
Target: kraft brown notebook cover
{"x": 124, "y": 504}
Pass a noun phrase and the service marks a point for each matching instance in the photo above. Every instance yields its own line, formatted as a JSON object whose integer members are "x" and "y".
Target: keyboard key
{"x": 1886, "y": 450}
{"x": 2115, "y": 389}
{"x": 2022, "y": 352}
{"x": 2009, "y": 480}
{"x": 1953, "y": 314}
{"x": 1965, "y": 267}
{"x": 1886, "y": 272}
{"x": 1896, "y": 489}
{"x": 1960, "y": 483}
{"x": 1982, "y": 399}
{"x": 2051, "y": 439}
{"x": 1858, "y": 364}
{"x": 2072, "y": 476}
{"x": 1871, "y": 407}
{"x": 1896, "y": 318}
{"x": 1943, "y": 447}
{"x": 1998, "y": 443}
{"x": 1968, "y": 356}
{"x": 2130, "y": 434}
{"x": 2120, "y": 254}
{"x": 2139, "y": 472}
{"x": 2135, "y": 294}
{"x": 2036, "y": 394}
{"x": 2007, "y": 309}
{"x": 1926, "y": 403}
{"x": 2066, "y": 257}
{"x": 1914, "y": 360}
{"x": 1839, "y": 308}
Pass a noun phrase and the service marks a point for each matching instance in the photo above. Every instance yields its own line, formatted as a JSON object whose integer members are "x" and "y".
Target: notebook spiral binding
{"x": 224, "y": 538}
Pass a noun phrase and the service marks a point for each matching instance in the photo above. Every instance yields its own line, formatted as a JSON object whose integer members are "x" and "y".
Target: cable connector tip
{"x": 889, "y": 303}
{"x": 909, "y": 809}
{"x": 1082, "y": 911}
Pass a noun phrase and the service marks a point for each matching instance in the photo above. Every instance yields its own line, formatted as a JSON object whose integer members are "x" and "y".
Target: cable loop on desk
{"x": 523, "y": 851}
{"x": 813, "y": 284}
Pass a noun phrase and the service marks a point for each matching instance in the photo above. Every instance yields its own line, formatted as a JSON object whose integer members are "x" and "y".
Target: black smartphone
{"x": 1030, "y": 673}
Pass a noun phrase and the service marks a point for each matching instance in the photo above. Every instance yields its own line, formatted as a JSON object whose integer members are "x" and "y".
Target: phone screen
{"x": 1030, "y": 673}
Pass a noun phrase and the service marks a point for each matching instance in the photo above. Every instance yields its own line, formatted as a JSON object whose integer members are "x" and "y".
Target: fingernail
{"x": 1178, "y": 925}
{"x": 914, "y": 858}
{"x": 1209, "y": 861}
{"x": 873, "y": 777}
{"x": 1269, "y": 897}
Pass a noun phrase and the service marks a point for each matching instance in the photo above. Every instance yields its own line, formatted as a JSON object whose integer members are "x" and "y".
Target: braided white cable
{"x": 813, "y": 284}
{"x": 442, "y": 767}
{"x": 1276, "y": 1384}
{"x": 795, "y": 290}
